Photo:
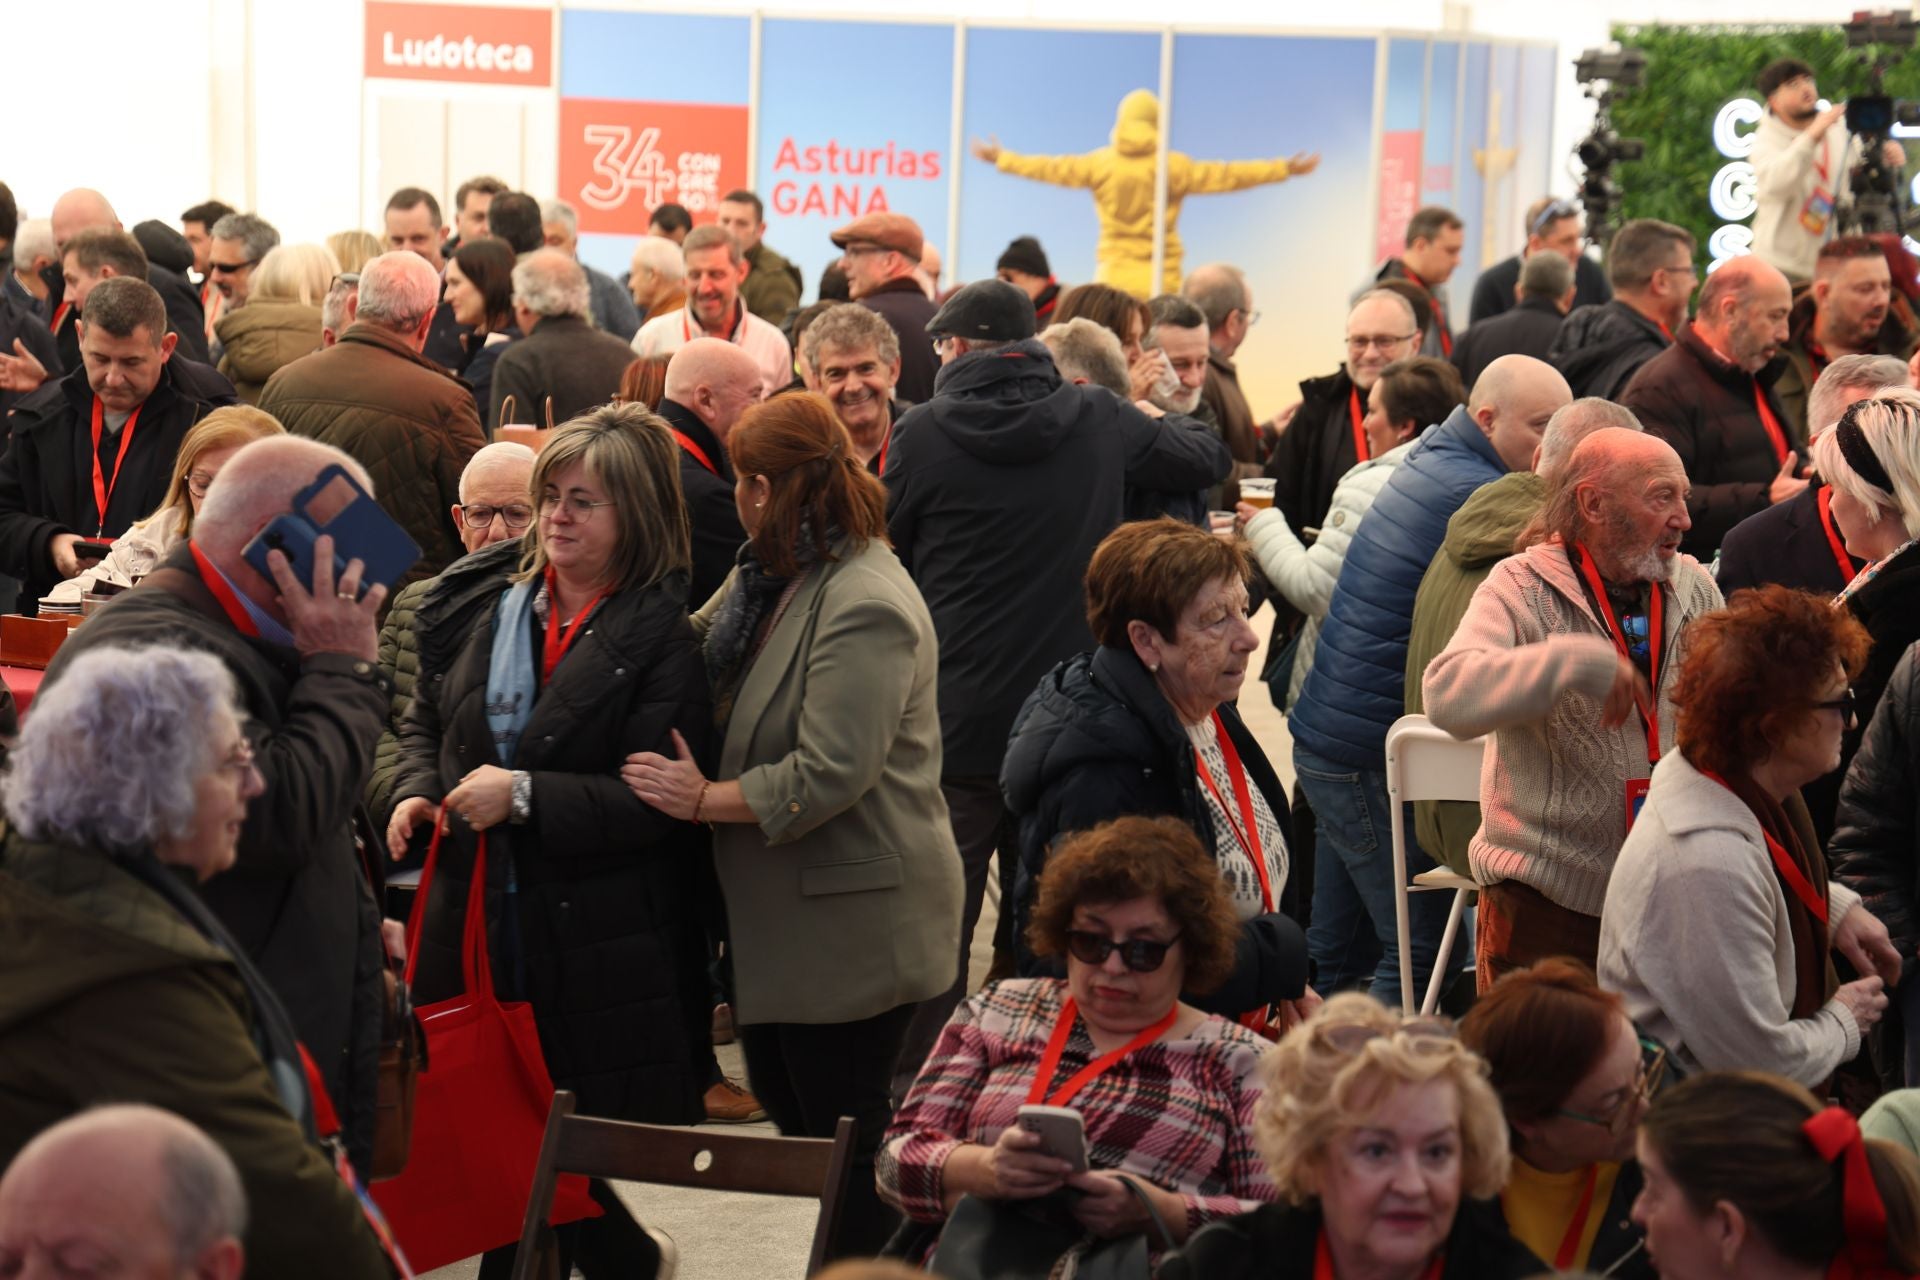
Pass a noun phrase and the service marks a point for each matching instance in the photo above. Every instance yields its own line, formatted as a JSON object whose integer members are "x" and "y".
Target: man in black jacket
{"x": 1710, "y": 395}
{"x": 710, "y": 383}
{"x": 168, "y": 258}
{"x": 1598, "y": 349}
{"x": 998, "y": 491}
{"x": 94, "y": 451}
{"x": 1553, "y": 225}
{"x": 880, "y": 252}
{"x": 1796, "y": 543}
{"x": 297, "y": 898}
{"x": 563, "y": 357}
{"x": 1546, "y": 291}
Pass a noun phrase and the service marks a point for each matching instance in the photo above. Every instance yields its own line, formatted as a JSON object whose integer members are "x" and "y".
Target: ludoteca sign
{"x": 470, "y": 44}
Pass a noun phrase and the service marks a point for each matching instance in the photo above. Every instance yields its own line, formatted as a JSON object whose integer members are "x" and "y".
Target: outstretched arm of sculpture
{"x": 1210, "y": 177}
{"x": 1060, "y": 171}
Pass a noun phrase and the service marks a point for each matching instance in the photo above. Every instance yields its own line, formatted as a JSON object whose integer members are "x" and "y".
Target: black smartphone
{"x": 88, "y": 549}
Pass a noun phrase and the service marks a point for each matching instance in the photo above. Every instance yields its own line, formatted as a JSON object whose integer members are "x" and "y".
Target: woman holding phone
{"x": 1165, "y": 1092}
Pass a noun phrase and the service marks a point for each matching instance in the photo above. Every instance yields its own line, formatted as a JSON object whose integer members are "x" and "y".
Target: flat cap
{"x": 894, "y": 231}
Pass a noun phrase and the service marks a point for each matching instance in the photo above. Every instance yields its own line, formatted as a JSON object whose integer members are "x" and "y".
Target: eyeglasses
{"x": 1384, "y": 341}
{"x": 345, "y": 277}
{"x": 855, "y": 250}
{"x": 1685, "y": 267}
{"x": 1651, "y": 1072}
{"x": 1252, "y": 317}
{"x": 1844, "y": 704}
{"x": 1142, "y": 955}
{"x": 1423, "y": 1035}
{"x": 240, "y": 759}
{"x": 579, "y": 510}
{"x": 230, "y": 268}
{"x": 1555, "y": 211}
{"x": 518, "y": 515}
{"x": 197, "y": 483}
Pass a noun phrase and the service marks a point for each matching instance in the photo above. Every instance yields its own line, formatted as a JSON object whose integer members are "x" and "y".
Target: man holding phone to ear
{"x": 302, "y": 655}
{"x": 94, "y": 451}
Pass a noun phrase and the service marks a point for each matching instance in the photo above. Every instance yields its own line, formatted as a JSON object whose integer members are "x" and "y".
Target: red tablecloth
{"x": 23, "y": 683}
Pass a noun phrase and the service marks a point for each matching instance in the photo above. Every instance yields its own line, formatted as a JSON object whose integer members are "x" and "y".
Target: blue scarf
{"x": 512, "y": 681}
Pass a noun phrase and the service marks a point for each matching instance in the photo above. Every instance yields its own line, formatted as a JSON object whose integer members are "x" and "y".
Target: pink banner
{"x": 1400, "y": 159}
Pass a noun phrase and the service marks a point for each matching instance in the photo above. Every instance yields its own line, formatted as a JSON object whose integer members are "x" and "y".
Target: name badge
{"x": 1636, "y": 797}
{"x": 1817, "y": 210}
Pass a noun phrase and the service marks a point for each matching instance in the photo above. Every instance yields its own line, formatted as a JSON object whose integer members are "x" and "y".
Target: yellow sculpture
{"x": 1122, "y": 178}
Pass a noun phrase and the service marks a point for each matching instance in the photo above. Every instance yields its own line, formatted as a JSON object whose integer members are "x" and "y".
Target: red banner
{"x": 471, "y": 44}
{"x": 1400, "y": 160}
{"x": 619, "y": 161}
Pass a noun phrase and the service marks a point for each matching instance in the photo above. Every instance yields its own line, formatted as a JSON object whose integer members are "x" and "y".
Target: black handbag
{"x": 1032, "y": 1240}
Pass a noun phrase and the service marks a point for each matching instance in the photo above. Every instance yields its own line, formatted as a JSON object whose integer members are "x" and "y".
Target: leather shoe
{"x": 728, "y": 1103}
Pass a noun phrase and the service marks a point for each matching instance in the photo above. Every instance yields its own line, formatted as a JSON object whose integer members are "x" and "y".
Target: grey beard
{"x": 1182, "y": 404}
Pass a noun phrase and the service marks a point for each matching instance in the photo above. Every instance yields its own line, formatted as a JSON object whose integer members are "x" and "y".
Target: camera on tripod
{"x": 1605, "y": 73}
{"x": 1876, "y": 203}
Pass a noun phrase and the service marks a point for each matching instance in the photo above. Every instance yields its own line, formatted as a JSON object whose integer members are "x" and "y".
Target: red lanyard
{"x": 1666, "y": 331}
{"x": 1323, "y": 1262}
{"x": 59, "y": 314}
{"x": 1649, "y": 710}
{"x": 103, "y": 487}
{"x": 1439, "y": 312}
{"x": 880, "y": 458}
{"x": 1796, "y": 880}
{"x": 1057, "y": 1044}
{"x": 1780, "y": 446}
{"x": 1577, "y": 1227}
{"x": 560, "y": 639}
{"x": 1834, "y": 540}
{"x": 223, "y": 592}
{"x": 1248, "y": 834}
{"x": 699, "y": 455}
{"x": 1360, "y": 449}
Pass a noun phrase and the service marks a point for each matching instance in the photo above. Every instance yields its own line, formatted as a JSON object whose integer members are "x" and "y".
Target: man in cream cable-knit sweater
{"x": 1554, "y": 659}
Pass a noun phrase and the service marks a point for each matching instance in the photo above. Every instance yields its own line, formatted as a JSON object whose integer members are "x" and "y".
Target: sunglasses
{"x": 1551, "y": 214}
{"x": 1421, "y": 1034}
{"x": 1142, "y": 955}
{"x": 230, "y": 268}
{"x": 1844, "y": 704}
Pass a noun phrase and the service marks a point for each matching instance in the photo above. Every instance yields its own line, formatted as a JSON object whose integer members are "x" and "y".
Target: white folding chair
{"x": 1425, "y": 763}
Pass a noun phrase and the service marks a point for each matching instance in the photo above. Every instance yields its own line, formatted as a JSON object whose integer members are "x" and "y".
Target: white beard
{"x": 1184, "y": 403}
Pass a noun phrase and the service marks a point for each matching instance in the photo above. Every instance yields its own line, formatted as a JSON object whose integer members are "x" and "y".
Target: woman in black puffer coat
{"x": 1145, "y": 724}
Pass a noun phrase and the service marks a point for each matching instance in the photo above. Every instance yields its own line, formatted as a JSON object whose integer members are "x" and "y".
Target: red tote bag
{"x": 480, "y": 1108}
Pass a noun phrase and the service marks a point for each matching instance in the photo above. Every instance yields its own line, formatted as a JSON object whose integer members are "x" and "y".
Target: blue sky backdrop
{"x": 902, "y": 94}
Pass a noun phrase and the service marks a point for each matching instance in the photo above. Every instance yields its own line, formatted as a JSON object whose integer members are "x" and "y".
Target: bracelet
{"x": 701, "y": 802}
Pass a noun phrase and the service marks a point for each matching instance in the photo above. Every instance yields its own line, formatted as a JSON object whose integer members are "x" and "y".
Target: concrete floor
{"x": 721, "y": 1236}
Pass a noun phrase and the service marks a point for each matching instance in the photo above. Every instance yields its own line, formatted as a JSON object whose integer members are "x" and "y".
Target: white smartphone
{"x": 1063, "y": 1134}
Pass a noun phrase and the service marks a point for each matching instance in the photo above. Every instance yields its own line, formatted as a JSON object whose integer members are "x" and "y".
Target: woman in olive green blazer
{"x": 831, "y": 836}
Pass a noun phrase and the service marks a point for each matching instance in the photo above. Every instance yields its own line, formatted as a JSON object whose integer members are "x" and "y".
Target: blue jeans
{"x": 1353, "y": 933}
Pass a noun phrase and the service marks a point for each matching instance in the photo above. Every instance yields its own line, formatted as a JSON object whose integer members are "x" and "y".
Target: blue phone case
{"x": 361, "y": 530}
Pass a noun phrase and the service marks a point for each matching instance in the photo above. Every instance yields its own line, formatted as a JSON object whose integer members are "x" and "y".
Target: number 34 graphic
{"x": 623, "y": 164}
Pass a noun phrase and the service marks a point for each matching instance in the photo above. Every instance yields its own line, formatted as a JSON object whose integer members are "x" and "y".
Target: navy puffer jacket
{"x": 1356, "y": 688}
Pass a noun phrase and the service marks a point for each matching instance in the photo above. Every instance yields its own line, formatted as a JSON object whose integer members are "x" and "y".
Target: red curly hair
{"x": 1752, "y": 671}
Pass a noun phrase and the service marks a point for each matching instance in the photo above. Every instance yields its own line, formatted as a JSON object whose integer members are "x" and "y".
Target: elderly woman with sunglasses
{"x": 1165, "y": 1091}
{"x": 1573, "y": 1077}
{"x": 1720, "y": 924}
{"x": 1385, "y": 1143}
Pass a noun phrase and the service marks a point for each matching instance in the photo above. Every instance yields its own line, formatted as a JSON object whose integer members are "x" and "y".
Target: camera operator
{"x": 1801, "y": 160}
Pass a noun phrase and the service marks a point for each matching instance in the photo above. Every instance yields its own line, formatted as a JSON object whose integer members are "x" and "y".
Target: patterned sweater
{"x": 1179, "y": 1112}
{"x": 1531, "y": 664}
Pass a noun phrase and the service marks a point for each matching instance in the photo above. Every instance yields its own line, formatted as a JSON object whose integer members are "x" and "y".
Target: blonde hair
{"x": 354, "y": 249}
{"x": 295, "y": 273}
{"x": 629, "y": 451}
{"x": 225, "y": 428}
{"x": 1889, "y": 422}
{"x": 1315, "y": 1091}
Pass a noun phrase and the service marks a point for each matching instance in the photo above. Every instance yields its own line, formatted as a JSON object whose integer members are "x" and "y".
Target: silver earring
{"x": 1154, "y": 667}
{"x": 758, "y": 505}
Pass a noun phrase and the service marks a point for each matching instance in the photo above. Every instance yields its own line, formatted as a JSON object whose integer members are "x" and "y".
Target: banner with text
{"x": 469, "y": 44}
{"x": 877, "y": 143}
{"x": 639, "y": 129}
{"x": 1402, "y": 144}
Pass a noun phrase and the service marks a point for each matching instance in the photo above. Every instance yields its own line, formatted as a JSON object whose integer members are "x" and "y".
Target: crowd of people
{"x": 800, "y": 628}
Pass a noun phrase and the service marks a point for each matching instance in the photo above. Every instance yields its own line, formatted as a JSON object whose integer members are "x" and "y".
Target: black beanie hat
{"x": 1025, "y": 254}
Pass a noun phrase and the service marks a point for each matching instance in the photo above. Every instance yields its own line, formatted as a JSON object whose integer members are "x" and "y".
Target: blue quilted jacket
{"x": 1356, "y": 688}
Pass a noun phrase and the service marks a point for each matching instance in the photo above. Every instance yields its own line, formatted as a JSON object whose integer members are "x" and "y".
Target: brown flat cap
{"x": 894, "y": 231}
